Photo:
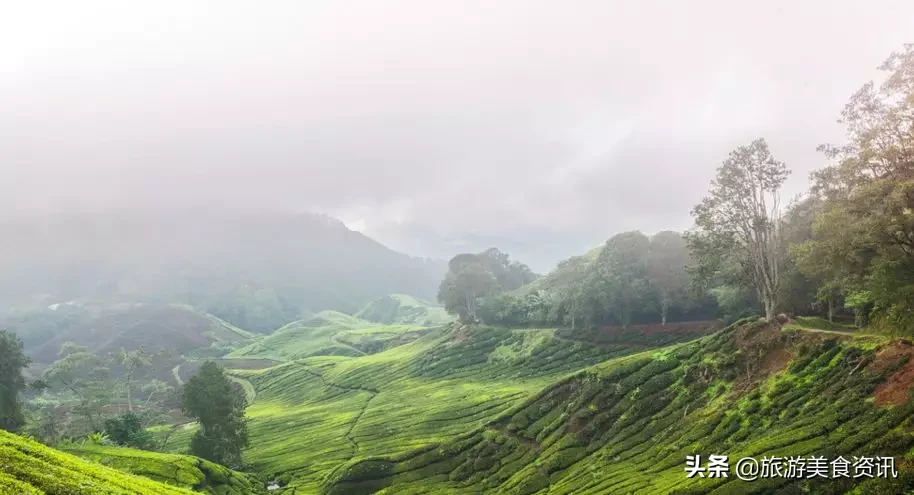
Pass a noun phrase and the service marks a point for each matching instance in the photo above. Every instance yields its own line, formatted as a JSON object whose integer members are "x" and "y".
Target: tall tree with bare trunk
{"x": 740, "y": 220}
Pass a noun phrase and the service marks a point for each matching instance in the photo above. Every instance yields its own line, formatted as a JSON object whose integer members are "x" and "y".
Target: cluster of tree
{"x": 633, "y": 278}
{"x": 85, "y": 394}
{"x": 849, "y": 244}
{"x": 472, "y": 277}
{"x": 83, "y": 389}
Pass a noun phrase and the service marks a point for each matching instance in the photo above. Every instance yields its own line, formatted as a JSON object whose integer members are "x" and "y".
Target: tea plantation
{"x": 313, "y": 416}
{"x": 626, "y": 425}
{"x": 28, "y": 467}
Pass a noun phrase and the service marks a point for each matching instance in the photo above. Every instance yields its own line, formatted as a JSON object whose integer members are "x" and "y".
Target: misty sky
{"x": 459, "y": 116}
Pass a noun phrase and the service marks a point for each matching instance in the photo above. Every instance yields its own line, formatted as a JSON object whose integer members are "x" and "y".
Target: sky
{"x": 525, "y": 121}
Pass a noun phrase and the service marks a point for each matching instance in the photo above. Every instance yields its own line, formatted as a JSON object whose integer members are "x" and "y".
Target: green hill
{"x": 178, "y": 470}
{"x": 312, "y": 416}
{"x": 258, "y": 271}
{"x": 176, "y": 337}
{"x": 401, "y": 309}
{"x": 31, "y": 468}
{"x": 328, "y": 333}
{"x": 626, "y": 425}
{"x": 104, "y": 329}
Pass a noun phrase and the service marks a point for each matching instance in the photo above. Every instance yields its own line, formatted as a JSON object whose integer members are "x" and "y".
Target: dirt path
{"x": 836, "y": 332}
{"x": 176, "y": 372}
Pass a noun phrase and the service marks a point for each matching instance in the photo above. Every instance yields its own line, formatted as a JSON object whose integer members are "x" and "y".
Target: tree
{"x": 509, "y": 274}
{"x": 801, "y": 291}
{"x": 862, "y": 246}
{"x": 85, "y": 375}
{"x": 619, "y": 279}
{"x": 741, "y": 218}
{"x": 156, "y": 391}
{"x": 131, "y": 361}
{"x": 569, "y": 280}
{"x": 210, "y": 398}
{"x": 668, "y": 258}
{"x": 466, "y": 282}
{"x": 127, "y": 429}
{"x": 12, "y": 383}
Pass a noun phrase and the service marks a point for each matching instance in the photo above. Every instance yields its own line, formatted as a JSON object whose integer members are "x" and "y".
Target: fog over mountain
{"x": 514, "y": 120}
{"x": 258, "y": 271}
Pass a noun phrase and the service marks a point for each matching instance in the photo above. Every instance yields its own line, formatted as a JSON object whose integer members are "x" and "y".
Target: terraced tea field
{"x": 401, "y": 309}
{"x": 313, "y": 416}
{"x": 627, "y": 424}
{"x": 177, "y": 470}
{"x": 30, "y": 468}
{"x": 328, "y": 333}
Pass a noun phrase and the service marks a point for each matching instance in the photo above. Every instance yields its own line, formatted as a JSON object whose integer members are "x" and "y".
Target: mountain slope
{"x": 328, "y": 333}
{"x": 628, "y": 424}
{"x": 257, "y": 271}
{"x": 401, "y": 309}
{"x": 105, "y": 329}
{"x": 31, "y": 468}
{"x": 178, "y": 470}
{"x": 312, "y": 416}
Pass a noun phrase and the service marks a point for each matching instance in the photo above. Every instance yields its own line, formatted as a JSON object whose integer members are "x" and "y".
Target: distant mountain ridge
{"x": 255, "y": 270}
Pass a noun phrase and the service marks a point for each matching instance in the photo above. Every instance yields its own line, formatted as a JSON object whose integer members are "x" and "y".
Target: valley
{"x": 313, "y": 415}
{"x": 239, "y": 349}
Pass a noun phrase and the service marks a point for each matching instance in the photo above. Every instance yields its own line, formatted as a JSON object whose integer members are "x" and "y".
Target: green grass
{"x": 178, "y": 470}
{"x": 329, "y": 333}
{"x": 401, "y": 309}
{"x": 29, "y": 467}
{"x": 626, "y": 425}
{"x": 314, "y": 416}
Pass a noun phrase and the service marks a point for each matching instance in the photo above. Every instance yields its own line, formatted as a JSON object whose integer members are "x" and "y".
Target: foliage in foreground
{"x": 178, "y": 470}
{"x": 30, "y": 468}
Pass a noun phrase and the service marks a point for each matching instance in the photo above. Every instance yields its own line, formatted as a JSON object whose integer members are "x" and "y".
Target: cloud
{"x": 468, "y": 116}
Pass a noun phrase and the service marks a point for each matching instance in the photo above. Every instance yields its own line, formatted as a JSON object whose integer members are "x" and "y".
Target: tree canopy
{"x": 861, "y": 249}
{"x": 210, "y": 398}
{"x": 740, "y": 219}
{"x": 471, "y": 277}
{"x": 12, "y": 383}
{"x": 632, "y": 278}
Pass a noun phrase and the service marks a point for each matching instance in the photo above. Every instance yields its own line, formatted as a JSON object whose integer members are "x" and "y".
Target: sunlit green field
{"x": 311, "y": 416}
{"x": 30, "y": 468}
{"x": 627, "y": 424}
{"x": 328, "y": 333}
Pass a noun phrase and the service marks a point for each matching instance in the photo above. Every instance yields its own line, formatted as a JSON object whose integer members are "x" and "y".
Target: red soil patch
{"x": 890, "y": 355}
{"x": 749, "y": 335}
{"x": 775, "y": 361}
{"x": 896, "y": 389}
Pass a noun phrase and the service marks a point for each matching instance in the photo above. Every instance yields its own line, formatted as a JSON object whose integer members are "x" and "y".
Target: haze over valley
{"x": 406, "y": 247}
